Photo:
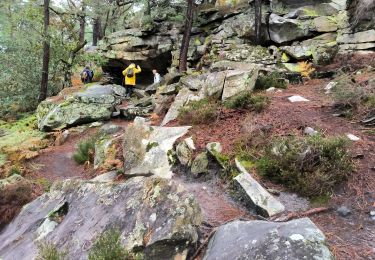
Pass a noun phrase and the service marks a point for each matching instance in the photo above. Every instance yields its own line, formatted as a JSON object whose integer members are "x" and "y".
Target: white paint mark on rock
{"x": 296, "y": 237}
{"x": 353, "y": 137}
{"x": 297, "y": 98}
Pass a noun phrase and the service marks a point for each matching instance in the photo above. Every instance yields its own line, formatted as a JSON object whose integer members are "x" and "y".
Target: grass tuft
{"x": 246, "y": 100}
{"x": 108, "y": 247}
{"x": 85, "y": 151}
{"x": 198, "y": 112}
{"x": 48, "y": 251}
{"x": 311, "y": 166}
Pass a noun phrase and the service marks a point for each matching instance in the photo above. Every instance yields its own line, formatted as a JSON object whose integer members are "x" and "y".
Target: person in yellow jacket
{"x": 130, "y": 78}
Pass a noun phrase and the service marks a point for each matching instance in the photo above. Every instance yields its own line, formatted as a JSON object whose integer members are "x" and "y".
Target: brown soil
{"x": 56, "y": 162}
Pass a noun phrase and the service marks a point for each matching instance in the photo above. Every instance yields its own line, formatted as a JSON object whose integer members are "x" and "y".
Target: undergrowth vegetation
{"x": 351, "y": 97}
{"x": 311, "y": 166}
{"x": 248, "y": 101}
{"x": 12, "y": 198}
{"x": 48, "y": 251}
{"x": 207, "y": 110}
{"x": 199, "y": 112}
{"x": 85, "y": 151}
{"x": 271, "y": 80}
{"x": 108, "y": 246}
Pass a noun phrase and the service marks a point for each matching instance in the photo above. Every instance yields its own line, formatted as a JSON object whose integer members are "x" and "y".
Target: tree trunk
{"x": 186, "y": 38}
{"x": 68, "y": 65}
{"x": 97, "y": 31}
{"x": 82, "y": 23}
{"x": 46, "y": 48}
{"x": 258, "y": 21}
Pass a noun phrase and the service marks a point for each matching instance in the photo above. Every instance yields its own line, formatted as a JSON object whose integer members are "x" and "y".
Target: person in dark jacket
{"x": 87, "y": 75}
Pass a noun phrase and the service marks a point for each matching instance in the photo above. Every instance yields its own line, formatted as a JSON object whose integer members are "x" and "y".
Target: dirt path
{"x": 56, "y": 162}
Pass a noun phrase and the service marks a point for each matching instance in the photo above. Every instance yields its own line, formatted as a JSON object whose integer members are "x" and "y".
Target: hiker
{"x": 157, "y": 77}
{"x": 130, "y": 78}
{"x": 87, "y": 75}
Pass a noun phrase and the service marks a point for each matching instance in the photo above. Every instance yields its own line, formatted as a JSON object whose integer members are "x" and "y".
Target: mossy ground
{"x": 20, "y": 139}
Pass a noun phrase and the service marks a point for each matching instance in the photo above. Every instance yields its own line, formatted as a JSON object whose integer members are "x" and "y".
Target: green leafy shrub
{"x": 246, "y": 100}
{"x": 310, "y": 166}
{"x": 108, "y": 247}
{"x": 198, "y": 112}
{"x": 48, "y": 251}
{"x": 271, "y": 80}
{"x": 85, "y": 151}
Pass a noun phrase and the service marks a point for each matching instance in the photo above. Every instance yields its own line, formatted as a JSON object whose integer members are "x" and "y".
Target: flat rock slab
{"x": 146, "y": 149}
{"x": 295, "y": 99}
{"x": 183, "y": 97}
{"x": 294, "y": 240}
{"x": 158, "y": 209}
{"x": 264, "y": 203}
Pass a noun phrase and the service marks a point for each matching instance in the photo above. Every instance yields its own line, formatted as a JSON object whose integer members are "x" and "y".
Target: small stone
{"x": 353, "y": 137}
{"x": 329, "y": 87}
{"x": 358, "y": 156}
{"x": 343, "y": 211}
{"x": 372, "y": 214}
{"x": 96, "y": 124}
{"x": 274, "y": 191}
{"x": 109, "y": 129}
{"x": 310, "y": 131}
{"x": 272, "y": 89}
{"x": 294, "y": 99}
{"x": 60, "y": 140}
{"x": 214, "y": 147}
{"x": 200, "y": 164}
{"x": 184, "y": 151}
{"x": 106, "y": 177}
{"x": 116, "y": 114}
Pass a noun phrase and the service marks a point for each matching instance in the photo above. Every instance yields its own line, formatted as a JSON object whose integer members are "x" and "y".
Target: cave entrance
{"x": 114, "y": 68}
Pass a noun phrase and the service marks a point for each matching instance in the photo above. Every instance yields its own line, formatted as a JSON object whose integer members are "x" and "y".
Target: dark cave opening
{"x": 115, "y": 67}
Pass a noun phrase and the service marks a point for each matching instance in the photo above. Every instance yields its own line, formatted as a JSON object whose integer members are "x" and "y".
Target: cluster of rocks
{"x": 306, "y": 30}
{"x": 248, "y": 190}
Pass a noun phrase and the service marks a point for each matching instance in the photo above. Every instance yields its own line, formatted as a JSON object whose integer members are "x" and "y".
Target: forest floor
{"x": 351, "y": 237}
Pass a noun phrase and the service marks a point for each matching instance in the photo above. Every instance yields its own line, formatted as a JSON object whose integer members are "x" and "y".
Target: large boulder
{"x": 95, "y": 103}
{"x": 208, "y": 84}
{"x": 155, "y": 217}
{"x": 322, "y": 49}
{"x": 183, "y": 97}
{"x": 132, "y": 44}
{"x": 357, "y": 41}
{"x": 294, "y": 240}
{"x": 286, "y": 30}
{"x": 237, "y": 81}
{"x": 146, "y": 149}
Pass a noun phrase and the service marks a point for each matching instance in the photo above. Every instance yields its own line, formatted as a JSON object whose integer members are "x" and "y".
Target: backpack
{"x": 84, "y": 75}
{"x": 130, "y": 73}
{"x": 91, "y": 74}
